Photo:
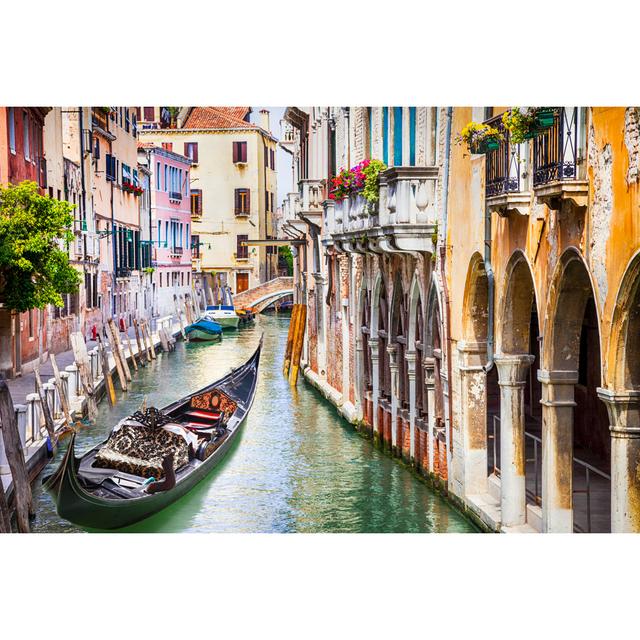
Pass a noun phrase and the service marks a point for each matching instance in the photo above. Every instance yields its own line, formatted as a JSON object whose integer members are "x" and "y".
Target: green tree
{"x": 34, "y": 270}
{"x": 285, "y": 253}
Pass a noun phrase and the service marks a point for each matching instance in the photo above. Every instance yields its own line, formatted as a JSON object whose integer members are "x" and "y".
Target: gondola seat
{"x": 214, "y": 401}
{"x": 140, "y": 450}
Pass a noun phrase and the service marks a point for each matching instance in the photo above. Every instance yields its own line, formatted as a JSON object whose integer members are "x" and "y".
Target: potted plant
{"x": 360, "y": 179}
{"x": 480, "y": 138}
{"x": 527, "y": 122}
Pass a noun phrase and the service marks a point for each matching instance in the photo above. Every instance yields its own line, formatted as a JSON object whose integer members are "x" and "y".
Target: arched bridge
{"x": 264, "y": 294}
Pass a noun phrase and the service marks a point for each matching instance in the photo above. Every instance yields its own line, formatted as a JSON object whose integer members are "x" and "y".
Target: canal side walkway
{"x": 35, "y": 449}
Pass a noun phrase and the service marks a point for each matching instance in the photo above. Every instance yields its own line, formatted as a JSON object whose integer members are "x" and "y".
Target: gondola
{"x": 153, "y": 457}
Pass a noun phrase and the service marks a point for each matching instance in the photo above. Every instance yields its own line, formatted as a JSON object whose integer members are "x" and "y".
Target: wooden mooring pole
{"x": 106, "y": 373}
{"x": 15, "y": 457}
{"x": 116, "y": 356}
{"x": 46, "y": 410}
{"x": 297, "y": 346}
{"x": 84, "y": 373}
{"x": 292, "y": 324}
{"x": 142, "y": 353}
{"x": 61, "y": 393}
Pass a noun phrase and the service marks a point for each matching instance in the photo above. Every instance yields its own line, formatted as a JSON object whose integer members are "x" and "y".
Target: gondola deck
{"x": 110, "y": 498}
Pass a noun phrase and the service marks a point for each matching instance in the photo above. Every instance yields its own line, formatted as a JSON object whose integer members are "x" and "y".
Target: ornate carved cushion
{"x": 215, "y": 400}
{"x": 142, "y": 448}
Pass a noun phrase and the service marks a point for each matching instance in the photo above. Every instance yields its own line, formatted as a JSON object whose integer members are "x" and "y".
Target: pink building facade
{"x": 170, "y": 226}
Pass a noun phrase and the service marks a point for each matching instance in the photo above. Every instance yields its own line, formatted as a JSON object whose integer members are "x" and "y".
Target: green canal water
{"x": 296, "y": 467}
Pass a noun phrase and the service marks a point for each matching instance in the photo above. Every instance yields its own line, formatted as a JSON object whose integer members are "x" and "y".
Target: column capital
{"x": 410, "y": 357}
{"x": 392, "y": 350}
{"x": 429, "y": 368}
{"x": 374, "y": 346}
{"x": 513, "y": 368}
{"x": 473, "y": 355}
{"x": 623, "y": 407}
{"x": 557, "y": 387}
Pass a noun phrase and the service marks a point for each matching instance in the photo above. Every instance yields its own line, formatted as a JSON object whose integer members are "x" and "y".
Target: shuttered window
{"x": 196, "y": 202}
{"x": 272, "y": 155}
{"x": 149, "y": 114}
{"x": 191, "y": 151}
{"x": 242, "y": 202}
{"x": 242, "y": 251}
{"x": 239, "y": 152}
{"x": 168, "y": 146}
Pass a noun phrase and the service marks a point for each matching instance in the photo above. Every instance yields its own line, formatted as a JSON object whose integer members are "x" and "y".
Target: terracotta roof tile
{"x": 218, "y": 118}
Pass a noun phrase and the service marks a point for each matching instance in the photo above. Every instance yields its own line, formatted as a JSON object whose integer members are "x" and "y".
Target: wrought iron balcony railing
{"x": 555, "y": 151}
{"x": 504, "y": 165}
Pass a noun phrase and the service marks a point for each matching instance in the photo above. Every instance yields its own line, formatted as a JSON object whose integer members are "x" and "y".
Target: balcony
{"x": 176, "y": 196}
{"x": 123, "y": 272}
{"x": 557, "y": 162}
{"x": 176, "y": 252}
{"x": 311, "y": 197}
{"x": 403, "y": 220}
{"x": 505, "y": 170}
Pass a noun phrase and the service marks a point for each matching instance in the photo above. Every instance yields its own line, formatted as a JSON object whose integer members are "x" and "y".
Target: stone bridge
{"x": 264, "y": 294}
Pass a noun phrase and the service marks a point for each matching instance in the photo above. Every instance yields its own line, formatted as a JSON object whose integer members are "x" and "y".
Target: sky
{"x": 283, "y": 159}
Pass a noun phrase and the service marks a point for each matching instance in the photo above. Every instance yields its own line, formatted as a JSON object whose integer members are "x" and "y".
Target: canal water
{"x": 296, "y": 467}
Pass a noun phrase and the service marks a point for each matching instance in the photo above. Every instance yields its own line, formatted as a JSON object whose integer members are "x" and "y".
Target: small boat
{"x": 146, "y": 464}
{"x": 225, "y": 313}
{"x": 246, "y": 316}
{"x": 204, "y": 330}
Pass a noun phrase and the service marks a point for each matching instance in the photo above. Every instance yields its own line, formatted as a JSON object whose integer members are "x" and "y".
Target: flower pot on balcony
{"x": 485, "y": 145}
{"x": 544, "y": 119}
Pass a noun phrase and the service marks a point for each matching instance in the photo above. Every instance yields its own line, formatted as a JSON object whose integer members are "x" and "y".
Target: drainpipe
{"x": 490, "y": 289}
{"x": 443, "y": 254}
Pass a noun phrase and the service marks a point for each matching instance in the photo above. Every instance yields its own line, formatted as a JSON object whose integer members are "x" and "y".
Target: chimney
{"x": 264, "y": 120}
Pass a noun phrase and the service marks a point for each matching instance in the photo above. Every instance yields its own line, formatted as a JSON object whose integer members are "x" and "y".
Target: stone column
{"x": 393, "y": 367}
{"x": 359, "y": 395}
{"x": 557, "y": 449}
{"x": 512, "y": 375}
{"x": 473, "y": 416}
{"x": 429, "y": 367}
{"x": 410, "y": 357}
{"x": 624, "y": 417}
{"x": 375, "y": 380}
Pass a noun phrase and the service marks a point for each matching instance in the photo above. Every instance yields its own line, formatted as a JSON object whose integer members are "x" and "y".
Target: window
{"x": 191, "y": 151}
{"x": 266, "y": 157}
{"x": 166, "y": 181}
{"x": 166, "y": 233}
{"x": 127, "y": 121}
{"x": 25, "y": 135}
{"x": 385, "y": 135}
{"x": 135, "y": 178}
{"x": 159, "y": 232}
{"x": 12, "y": 129}
{"x": 242, "y": 251}
{"x": 110, "y": 166}
{"x": 242, "y": 202}
{"x": 196, "y": 202}
{"x": 266, "y": 200}
{"x": 272, "y": 156}
{"x": 168, "y": 146}
{"x": 126, "y": 173}
{"x": 149, "y": 114}
{"x": 157, "y": 175}
{"x": 412, "y": 136}
{"x": 239, "y": 152}
{"x": 272, "y": 198}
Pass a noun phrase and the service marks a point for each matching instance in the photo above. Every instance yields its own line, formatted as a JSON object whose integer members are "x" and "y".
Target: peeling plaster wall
{"x": 600, "y": 161}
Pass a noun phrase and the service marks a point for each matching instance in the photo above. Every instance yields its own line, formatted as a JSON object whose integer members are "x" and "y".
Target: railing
{"x": 495, "y": 437}
{"x": 311, "y": 195}
{"x": 555, "y": 150}
{"x": 177, "y": 251}
{"x": 407, "y": 195}
{"x": 503, "y": 166}
{"x": 535, "y": 496}
{"x": 175, "y": 195}
{"x": 589, "y": 471}
{"x": 123, "y": 272}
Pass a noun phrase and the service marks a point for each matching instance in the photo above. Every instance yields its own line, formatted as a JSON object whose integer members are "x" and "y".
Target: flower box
{"x": 485, "y": 145}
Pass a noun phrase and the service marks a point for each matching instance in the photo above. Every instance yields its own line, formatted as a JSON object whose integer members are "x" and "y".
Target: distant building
{"x": 232, "y": 194}
{"x": 170, "y": 218}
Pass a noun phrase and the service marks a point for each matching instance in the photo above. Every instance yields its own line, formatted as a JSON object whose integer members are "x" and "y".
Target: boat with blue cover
{"x": 204, "y": 330}
{"x": 224, "y": 314}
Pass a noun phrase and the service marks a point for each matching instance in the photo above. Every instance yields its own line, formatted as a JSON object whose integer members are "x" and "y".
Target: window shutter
{"x": 266, "y": 157}
{"x": 236, "y": 152}
{"x": 237, "y": 201}
{"x": 247, "y": 201}
{"x": 167, "y": 146}
{"x": 243, "y": 148}
{"x": 194, "y": 147}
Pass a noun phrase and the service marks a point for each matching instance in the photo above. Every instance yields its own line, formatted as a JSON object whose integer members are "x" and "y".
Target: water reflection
{"x": 296, "y": 467}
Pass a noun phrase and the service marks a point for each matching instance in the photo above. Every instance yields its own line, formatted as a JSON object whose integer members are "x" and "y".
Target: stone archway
{"x": 472, "y": 356}
{"x": 574, "y": 421}
{"x": 377, "y": 346}
{"x": 517, "y": 334}
{"x": 363, "y": 356}
{"x": 414, "y": 359}
{"x": 622, "y": 399}
{"x": 397, "y": 347}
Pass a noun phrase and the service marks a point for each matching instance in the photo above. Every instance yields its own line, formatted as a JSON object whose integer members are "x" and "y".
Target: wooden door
{"x": 242, "y": 282}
